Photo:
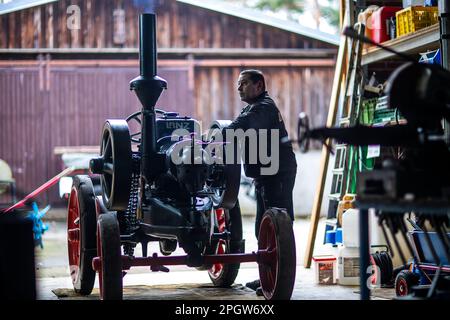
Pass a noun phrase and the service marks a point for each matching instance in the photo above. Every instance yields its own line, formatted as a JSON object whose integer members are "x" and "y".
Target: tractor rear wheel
{"x": 225, "y": 188}
{"x": 81, "y": 238}
{"x": 277, "y": 266}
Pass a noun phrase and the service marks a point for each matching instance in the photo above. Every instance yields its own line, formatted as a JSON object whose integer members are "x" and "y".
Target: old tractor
{"x": 147, "y": 196}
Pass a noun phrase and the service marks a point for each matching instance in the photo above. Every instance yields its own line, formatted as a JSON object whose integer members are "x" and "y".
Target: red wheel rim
{"x": 216, "y": 270}
{"x": 268, "y": 264}
{"x": 99, "y": 253}
{"x": 73, "y": 235}
{"x": 374, "y": 278}
{"x": 402, "y": 288}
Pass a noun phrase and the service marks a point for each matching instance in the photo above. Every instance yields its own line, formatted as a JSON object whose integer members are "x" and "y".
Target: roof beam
{"x": 175, "y": 63}
{"x": 182, "y": 52}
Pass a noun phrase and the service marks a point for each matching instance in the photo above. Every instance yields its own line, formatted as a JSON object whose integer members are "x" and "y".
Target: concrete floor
{"x": 183, "y": 283}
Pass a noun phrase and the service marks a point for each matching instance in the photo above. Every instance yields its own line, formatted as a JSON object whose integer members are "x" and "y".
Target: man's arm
{"x": 256, "y": 118}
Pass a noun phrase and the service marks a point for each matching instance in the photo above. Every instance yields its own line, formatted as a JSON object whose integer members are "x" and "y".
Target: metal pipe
{"x": 444, "y": 15}
{"x": 155, "y": 260}
{"x": 147, "y": 45}
{"x": 148, "y": 87}
{"x": 148, "y": 143}
{"x": 364, "y": 253}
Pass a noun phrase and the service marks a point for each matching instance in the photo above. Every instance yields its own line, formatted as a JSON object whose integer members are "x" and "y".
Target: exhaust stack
{"x": 148, "y": 88}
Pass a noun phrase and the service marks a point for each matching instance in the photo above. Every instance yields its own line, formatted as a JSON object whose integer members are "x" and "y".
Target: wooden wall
{"x": 179, "y": 26}
{"x": 50, "y": 101}
{"x": 293, "y": 89}
{"x": 44, "y": 107}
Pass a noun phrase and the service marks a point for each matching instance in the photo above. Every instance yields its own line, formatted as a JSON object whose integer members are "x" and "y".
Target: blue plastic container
{"x": 338, "y": 237}
{"x": 330, "y": 237}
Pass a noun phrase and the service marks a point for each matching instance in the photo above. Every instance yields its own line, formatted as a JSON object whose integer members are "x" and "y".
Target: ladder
{"x": 343, "y": 181}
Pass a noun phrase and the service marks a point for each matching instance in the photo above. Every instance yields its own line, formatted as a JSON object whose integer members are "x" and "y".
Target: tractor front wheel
{"x": 277, "y": 264}
{"x": 110, "y": 253}
{"x": 223, "y": 275}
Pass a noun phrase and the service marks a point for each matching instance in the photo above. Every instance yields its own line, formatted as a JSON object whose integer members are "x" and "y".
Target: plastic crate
{"x": 412, "y": 19}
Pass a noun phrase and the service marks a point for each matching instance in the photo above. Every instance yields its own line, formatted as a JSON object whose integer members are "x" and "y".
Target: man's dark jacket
{"x": 264, "y": 114}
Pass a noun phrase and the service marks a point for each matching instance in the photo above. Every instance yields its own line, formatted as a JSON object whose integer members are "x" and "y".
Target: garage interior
{"x": 367, "y": 111}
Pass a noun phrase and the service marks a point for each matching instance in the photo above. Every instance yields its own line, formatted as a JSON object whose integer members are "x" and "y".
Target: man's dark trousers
{"x": 274, "y": 191}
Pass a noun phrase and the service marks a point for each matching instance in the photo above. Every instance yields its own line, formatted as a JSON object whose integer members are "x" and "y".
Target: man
{"x": 272, "y": 190}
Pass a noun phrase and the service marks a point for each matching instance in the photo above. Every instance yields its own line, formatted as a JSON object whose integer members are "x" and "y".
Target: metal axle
{"x": 261, "y": 256}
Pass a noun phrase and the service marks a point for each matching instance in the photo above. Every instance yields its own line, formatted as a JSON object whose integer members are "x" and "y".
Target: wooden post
{"x": 315, "y": 214}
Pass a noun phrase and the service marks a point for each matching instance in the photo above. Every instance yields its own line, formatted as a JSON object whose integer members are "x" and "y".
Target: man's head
{"x": 251, "y": 84}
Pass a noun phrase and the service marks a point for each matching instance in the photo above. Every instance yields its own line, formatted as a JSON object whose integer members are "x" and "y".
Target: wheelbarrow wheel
{"x": 277, "y": 265}
{"x": 404, "y": 281}
{"x": 81, "y": 230}
{"x": 223, "y": 275}
{"x": 109, "y": 251}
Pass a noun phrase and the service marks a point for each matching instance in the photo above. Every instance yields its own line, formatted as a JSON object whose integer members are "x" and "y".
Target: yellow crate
{"x": 415, "y": 18}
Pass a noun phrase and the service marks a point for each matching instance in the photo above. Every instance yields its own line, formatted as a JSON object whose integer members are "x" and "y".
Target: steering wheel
{"x": 136, "y": 117}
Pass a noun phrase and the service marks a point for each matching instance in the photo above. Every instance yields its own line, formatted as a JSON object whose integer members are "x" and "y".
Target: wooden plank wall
{"x": 179, "y": 26}
{"x": 293, "y": 89}
{"x": 67, "y": 107}
{"x": 43, "y": 107}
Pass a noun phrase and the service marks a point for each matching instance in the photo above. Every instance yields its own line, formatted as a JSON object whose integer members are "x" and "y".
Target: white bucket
{"x": 325, "y": 269}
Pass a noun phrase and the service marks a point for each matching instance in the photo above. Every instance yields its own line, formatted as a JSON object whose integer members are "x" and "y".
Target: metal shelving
{"x": 414, "y": 43}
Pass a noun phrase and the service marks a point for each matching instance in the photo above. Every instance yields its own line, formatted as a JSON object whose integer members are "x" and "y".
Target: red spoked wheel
{"x": 81, "y": 226}
{"x": 223, "y": 275}
{"x": 110, "y": 254}
{"x": 277, "y": 265}
{"x": 221, "y": 247}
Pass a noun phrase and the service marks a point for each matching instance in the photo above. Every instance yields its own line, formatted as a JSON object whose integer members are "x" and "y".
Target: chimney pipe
{"x": 148, "y": 87}
{"x": 147, "y": 45}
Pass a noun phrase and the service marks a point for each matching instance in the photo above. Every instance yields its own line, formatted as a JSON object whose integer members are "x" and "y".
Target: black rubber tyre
{"x": 404, "y": 281}
{"x": 110, "y": 275}
{"x": 225, "y": 196}
{"x": 277, "y": 269}
{"x": 223, "y": 275}
{"x": 389, "y": 267}
{"x": 82, "y": 245}
{"x": 302, "y": 132}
